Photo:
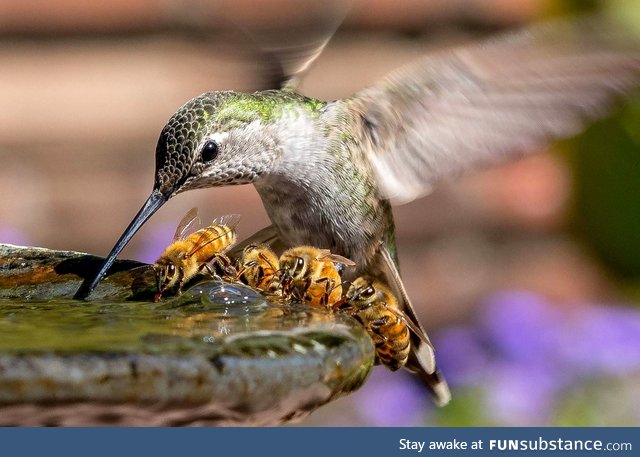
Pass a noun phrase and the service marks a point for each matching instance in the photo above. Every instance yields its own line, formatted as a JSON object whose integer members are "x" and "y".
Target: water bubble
{"x": 219, "y": 296}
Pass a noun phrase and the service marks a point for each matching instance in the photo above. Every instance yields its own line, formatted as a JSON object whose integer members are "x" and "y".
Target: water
{"x": 205, "y": 314}
{"x": 222, "y": 297}
{"x": 218, "y": 354}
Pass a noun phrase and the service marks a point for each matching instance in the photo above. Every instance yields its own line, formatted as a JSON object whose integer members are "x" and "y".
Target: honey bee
{"x": 200, "y": 251}
{"x": 258, "y": 267}
{"x": 311, "y": 275}
{"x": 373, "y": 304}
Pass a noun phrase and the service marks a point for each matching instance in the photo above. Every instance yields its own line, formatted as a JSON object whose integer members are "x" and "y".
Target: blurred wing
{"x": 422, "y": 359}
{"x": 485, "y": 103}
{"x": 291, "y": 46}
{"x": 283, "y": 41}
{"x": 186, "y": 222}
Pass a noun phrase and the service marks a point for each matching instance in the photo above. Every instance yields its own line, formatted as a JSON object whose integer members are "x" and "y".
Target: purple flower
{"x": 461, "y": 355}
{"x": 602, "y": 340}
{"x": 392, "y": 399}
{"x": 525, "y": 352}
{"x": 520, "y": 326}
{"x": 520, "y": 394}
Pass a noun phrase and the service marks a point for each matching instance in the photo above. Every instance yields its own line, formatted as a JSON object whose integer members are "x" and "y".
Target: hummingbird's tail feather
{"x": 435, "y": 382}
{"x": 422, "y": 359}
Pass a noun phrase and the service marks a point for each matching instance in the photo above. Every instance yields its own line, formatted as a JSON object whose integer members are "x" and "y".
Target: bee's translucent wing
{"x": 485, "y": 103}
{"x": 230, "y": 220}
{"x": 186, "y": 222}
{"x": 413, "y": 327}
{"x": 335, "y": 258}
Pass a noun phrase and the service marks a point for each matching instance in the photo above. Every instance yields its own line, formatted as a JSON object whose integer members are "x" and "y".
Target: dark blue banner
{"x": 321, "y": 442}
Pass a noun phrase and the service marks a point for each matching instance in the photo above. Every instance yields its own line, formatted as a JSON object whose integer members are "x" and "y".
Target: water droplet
{"x": 228, "y": 299}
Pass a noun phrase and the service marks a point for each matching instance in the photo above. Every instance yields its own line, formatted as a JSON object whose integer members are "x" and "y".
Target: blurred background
{"x": 526, "y": 276}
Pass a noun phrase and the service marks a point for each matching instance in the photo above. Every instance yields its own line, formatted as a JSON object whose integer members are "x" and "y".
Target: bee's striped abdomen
{"x": 212, "y": 240}
{"x": 394, "y": 350}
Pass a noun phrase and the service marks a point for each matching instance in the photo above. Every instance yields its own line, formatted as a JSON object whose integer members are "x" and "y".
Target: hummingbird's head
{"x": 216, "y": 139}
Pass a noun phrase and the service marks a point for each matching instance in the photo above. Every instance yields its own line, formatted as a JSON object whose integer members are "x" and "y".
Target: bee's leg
{"x": 274, "y": 279}
{"x": 208, "y": 270}
{"x": 298, "y": 292}
{"x": 344, "y": 302}
{"x": 241, "y": 270}
{"x": 346, "y": 285}
{"x": 328, "y": 287}
{"x": 282, "y": 280}
{"x": 180, "y": 281}
{"x": 209, "y": 267}
{"x": 284, "y": 286}
{"x": 334, "y": 286}
{"x": 228, "y": 267}
{"x": 272, "y": 266}
{"x": 229, "y": 272}
{"x": 264, "y": 257}
{"x": 258, "y": 277}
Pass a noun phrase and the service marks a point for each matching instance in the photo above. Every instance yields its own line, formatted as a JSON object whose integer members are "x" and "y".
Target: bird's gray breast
{"x": 326, "y": 201}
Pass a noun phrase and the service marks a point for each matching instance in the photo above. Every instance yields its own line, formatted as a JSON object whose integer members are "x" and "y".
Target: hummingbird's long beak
{"x": 153, "y": 203}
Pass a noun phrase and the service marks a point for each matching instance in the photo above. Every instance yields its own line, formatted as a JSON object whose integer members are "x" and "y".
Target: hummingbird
{"x": 328, "y": 171}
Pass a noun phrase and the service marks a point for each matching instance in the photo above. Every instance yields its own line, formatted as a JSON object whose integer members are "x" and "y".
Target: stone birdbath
{"x": 220, "y": 354}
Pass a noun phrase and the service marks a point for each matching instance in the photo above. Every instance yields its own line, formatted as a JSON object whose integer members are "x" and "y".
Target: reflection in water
{"x": 207, "y": 313}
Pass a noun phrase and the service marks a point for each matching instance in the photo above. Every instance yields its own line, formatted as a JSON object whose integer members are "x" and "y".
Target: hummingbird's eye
{"x": 209, "y": 151}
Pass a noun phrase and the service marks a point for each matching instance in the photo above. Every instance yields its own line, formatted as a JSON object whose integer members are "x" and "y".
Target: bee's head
{"x": 295, "y": 267}
{"x": 361, "y": 292}
{"x": 167, "y": 275}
